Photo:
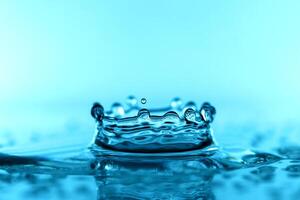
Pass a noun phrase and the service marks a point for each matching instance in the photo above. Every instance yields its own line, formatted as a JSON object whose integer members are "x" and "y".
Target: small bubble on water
{"x": 143, "y": 100}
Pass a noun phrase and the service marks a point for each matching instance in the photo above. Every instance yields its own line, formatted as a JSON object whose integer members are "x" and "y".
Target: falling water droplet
{"x": 117, "y": 109}
{"x": 176, "y": 102}
{"x": 143, "y": 100}
{"x": 97, "y": 111}
{"x": 131, "y": 101}
{"x": 190, "y": 114}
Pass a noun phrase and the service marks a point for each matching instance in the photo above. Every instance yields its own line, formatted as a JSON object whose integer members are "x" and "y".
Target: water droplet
{"x": 97, "y": 111}
{"x": 190, "y": 114}
{"x": 176, "y": 102}
{"x": 207, "y": 112}
{"x": 132, "y": 101}
{"x": 143, "y": 100}
{"x": 117, "y": 109}
{"x": 260, "y": 159}
{"x": 144, "y": 114}
{"x": 171, "y": 116}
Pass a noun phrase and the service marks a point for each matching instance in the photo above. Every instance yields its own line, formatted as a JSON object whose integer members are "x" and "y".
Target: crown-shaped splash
{"x": 132, "y": 128}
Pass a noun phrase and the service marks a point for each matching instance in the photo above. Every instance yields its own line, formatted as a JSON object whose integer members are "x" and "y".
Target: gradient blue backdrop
{"x": 57, "y": 57}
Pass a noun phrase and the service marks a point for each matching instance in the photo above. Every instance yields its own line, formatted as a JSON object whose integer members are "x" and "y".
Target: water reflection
{"x": 177, "y": 177}
{"x": 155, "y": 178}
{"x": 94, "y": 175}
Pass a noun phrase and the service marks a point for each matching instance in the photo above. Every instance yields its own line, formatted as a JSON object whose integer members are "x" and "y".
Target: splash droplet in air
{"x": 143, "y": 100}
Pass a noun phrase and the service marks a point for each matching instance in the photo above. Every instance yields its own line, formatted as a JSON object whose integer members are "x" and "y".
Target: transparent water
{"x": 171, "y": 129}
{"x": 186, "y": 168}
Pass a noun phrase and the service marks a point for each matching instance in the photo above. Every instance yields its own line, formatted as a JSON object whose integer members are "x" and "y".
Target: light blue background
{"x": 57, "y": 57}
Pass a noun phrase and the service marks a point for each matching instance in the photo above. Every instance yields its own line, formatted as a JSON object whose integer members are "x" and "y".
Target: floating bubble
{"x": 118, "y": 109}
{"x": 143, "y": 100}
{"x": 131, "y": 101}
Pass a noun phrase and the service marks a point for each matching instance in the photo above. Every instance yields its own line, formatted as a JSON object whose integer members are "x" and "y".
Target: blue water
{"x": 58, "y": 57}
{"x": 173, "y": 128}
{"x": 147, "y": 169}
